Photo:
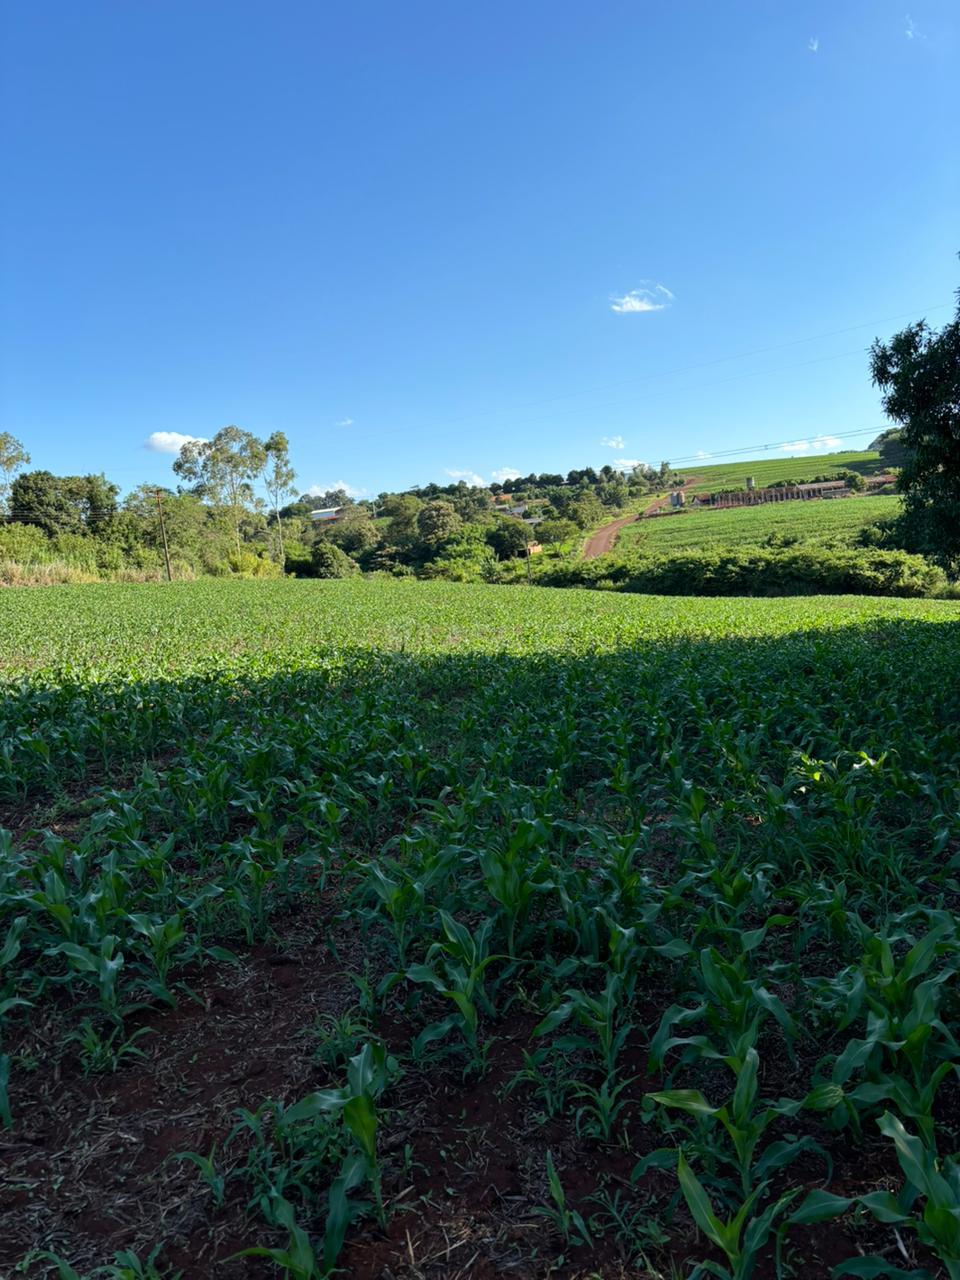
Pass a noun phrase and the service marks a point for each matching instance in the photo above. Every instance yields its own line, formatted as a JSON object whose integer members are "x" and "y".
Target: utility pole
{"x": 163, "y": 531}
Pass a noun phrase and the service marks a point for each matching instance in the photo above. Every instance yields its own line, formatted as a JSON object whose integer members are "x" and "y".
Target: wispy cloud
{"x": 628, "y": 464}
{"x": 505, "y": 473}
{"x": 813, "y": 44}
{"x": 169, "y": 441}
{"x": 344, "y": 422}
{"x": 469, "y": 476}
{"x": 649, "y": 297}
{"x": 613, "y": 442}
{"x": 701, "y": 454}
{"x": 351, "y": 490}
{"x": 911, "y": 30}
{"x": 817, "y": 445}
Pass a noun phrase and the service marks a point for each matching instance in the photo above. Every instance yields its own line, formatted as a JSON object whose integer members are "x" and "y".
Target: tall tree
{"x": 918, "y": 371}
{"x": 278, "y": 477}
{"x": 509, "y": 538}
{"x": 224, "y": 470}
{"x": 437, "y": 521}
{"x": 64, "y": 504}
{"x": 37, "y": 497}
{"x": 13, "y": 456}
{"x": 95, "y": 497}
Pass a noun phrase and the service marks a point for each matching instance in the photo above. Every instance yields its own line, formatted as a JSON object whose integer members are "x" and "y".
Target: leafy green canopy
{"x": 918, "y": 371}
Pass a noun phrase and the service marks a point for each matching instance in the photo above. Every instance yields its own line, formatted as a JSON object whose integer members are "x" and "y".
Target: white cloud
{"x": 505, "y": 473}
{"x": 649, "y": 297}
{"x": 813, "y": 44}
{"x": 818, "y": 445}
{"x": 613, "y": 442}
{"x": 701, "y": 454}
{"x": 351, "y": 490}
{"x": 910, "y": 29}
{"x": 344, "y": 422}
{"x": 169, "y": 441}
{"x": 628, "y": 464}
{"x": 469, "y": 476}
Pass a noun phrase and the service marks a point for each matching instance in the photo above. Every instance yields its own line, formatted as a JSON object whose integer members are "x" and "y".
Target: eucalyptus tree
{"x": 278, "y": 477}
{"x": 13, "y": 456}
{"x": 224, "y": 470}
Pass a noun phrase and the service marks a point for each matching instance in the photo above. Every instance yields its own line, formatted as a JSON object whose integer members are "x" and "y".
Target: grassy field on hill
{"x": 728, "y": 475}
{"x": 833, "y": 520}
{"x": 426, "y": 930}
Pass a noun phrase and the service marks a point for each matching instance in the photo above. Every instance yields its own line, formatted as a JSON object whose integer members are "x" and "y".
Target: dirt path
{"x": 602, "y": 541}
{"x": 659, "y": 503}
{"x": 599, "y": 543}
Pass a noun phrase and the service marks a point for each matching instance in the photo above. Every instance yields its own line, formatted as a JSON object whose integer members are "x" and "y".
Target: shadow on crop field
{"x": 492, "y": 903}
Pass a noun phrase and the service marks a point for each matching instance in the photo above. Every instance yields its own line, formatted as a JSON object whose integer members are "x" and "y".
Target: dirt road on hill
{"x": 659, "y": 503}
{"x": 599, "y": 543}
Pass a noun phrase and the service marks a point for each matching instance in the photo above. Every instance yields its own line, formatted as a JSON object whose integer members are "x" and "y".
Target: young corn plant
{"x": 356, "y": 1105}
{"x": 601, "y": 1107}
{"x": 298, "y": 1261}
{"x": 909, "y": 1047}
{"x": 929, "y": 1202}
{"x": 743, "y": 1234}
{"x": 568, "y": 1222}
{"x": 164, "y": 942}
{"x": 732, "y": 1005}
{"x": 745, "y": 1120}
{"x": 287, "y": 1160}
{"x": 548, "y": 1074}
{"x": 601, "y": 1017}
{"x": 101, "y": 1051}
{"x": 209, "y": 1172}
{"x": 515, "y": 873}
{"x": 400, "y": 896}
{"x": 455, "y": 969}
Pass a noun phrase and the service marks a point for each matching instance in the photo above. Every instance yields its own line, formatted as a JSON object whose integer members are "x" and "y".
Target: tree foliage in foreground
{"x": 918, "y": 371}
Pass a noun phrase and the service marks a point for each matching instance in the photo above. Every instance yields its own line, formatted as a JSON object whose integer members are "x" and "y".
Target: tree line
{"x": 237, "y": 508}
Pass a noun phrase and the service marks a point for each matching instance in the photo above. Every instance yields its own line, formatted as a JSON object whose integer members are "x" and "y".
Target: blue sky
{"x": 424, "y": 238}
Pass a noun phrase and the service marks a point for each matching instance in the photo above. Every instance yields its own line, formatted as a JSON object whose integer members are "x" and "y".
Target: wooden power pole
{"x": 163, "y": 531}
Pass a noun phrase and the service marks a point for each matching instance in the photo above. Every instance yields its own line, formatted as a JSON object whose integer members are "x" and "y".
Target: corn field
{"x": 392, "y": 929}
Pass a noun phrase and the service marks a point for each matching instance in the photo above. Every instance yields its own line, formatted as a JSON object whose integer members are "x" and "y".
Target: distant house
{"x": 327, "y": 514}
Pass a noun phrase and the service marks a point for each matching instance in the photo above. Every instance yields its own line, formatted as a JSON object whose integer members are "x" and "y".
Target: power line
{"x": 713, "y": 382}
{"x": 777, "y": 444}
{"x": 689, "y": 368}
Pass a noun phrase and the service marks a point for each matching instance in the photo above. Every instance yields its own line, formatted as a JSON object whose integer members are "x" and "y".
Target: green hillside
{"x": 835, "y": 520}
{"x": 727, "y": 475}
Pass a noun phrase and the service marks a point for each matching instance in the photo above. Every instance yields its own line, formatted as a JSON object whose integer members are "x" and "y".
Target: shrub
{"x": 76, "y": 549}
{"x": 298, "y": 560}
{"x": 761, "y": 571}
{"x": 250, "y": 565}
{"x": 328, "y": 561}
{"x": 25, "y": 544}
